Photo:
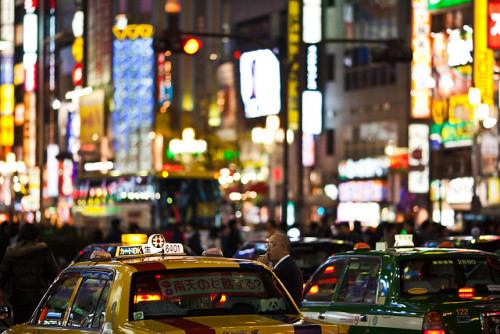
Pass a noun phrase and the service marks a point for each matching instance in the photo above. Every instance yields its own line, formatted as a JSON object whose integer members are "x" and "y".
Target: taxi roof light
{"x": 403, "y": 240}
{"x": 362, "y": 245}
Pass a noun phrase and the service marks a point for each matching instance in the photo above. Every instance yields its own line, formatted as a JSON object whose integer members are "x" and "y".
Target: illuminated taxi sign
{"x": 173, "y": 249}
{"x": 403, "y": 240}
{"x": 129, "y": 251}
{"x": 134, "y": 239}
{"x": 156, "y": 245}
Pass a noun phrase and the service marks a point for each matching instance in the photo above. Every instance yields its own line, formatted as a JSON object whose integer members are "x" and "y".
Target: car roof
{"x": 161, "y": 262}
{"x": 304, "y": 240}
{"x": 414, "y": 252}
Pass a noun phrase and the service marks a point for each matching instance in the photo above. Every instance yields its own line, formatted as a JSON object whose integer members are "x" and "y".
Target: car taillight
{"x": 433, "y": 323}
{"x": 466, "y": 292}
{"x": 144, "y": 298}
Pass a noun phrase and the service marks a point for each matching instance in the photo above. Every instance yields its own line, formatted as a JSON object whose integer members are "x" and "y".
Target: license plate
{"x": 490, "y": 323}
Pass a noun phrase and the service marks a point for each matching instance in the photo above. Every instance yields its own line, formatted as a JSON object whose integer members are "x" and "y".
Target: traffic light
{"x": 176, "y": 43}
{"x": 191, "y": 45}
{"x": 394, "y": 52}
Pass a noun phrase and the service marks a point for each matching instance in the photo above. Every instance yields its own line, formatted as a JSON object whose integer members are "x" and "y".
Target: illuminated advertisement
{"x": 363, "y": 191}
{"x": 452, "y": 60}
{"x": 260, "y": 83}
{"x": 92, "y": 117}
{"x": 367, "y": 213}
{"x": 363, "y": 168}
{"x": 293, "y": 52}
{"x": 440, "y": 4}
{"x": 452, "y": 122}
{"x": 483, "y": 57}
{"x": 133, "y": 77}
{"x": 421, "y": 80}
{"x": 418, "y": 153}
{"x": 493, "y": 25}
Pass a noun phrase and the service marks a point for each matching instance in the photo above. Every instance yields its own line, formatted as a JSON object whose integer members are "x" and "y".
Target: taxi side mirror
{"x": 5, "y": 312}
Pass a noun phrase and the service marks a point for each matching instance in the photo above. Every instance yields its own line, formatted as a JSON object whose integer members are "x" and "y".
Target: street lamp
{"x": 482, "y": 121}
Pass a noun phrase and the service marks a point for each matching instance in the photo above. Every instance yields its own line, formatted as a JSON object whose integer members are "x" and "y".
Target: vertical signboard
{"x": 494, "y": 24}
{"x": 483, "y": 56}
{"x": 92, "y": 117}
{"x": 421, "y": 71}
{"x": 133, "y": 71}
{"x": 293, "y": 53}
{"x": 98, "y": 42}
{"x": 418, "y": 151}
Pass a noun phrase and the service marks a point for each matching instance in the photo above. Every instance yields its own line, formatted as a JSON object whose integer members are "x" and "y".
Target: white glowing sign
{"x": 52, "y": 170}
{"x": 459, "y": 50}
{"x": 311, "y": 21}
{"x": 30, "y": 47}
{"x": 418, "y": 150}
{"x": 260, "y": 83}
{"x": 312, "y": 106}
{"x": 312, "y": 99}
{"x": 30, "y": 33}
{"x": 421, "y": 71}
{"x": 460, "y": 190}
{"x": 364, "y": 168}
{"x": 368, "y": 213}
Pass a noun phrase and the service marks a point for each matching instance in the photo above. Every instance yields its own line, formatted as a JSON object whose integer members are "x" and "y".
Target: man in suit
{"x": 278, "y": 253}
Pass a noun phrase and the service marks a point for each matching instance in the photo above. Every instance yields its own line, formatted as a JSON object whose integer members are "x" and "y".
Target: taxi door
{"x": 356, "y": 295}
{"x": 75, "y": 304}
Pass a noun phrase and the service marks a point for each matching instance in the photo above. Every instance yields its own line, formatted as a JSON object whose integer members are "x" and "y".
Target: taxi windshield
{"x": 207, "y": 293}
{"x": 446, "y": 275}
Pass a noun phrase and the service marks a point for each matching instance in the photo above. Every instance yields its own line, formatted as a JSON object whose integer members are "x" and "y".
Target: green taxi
{"x": 407, "y": 290}
{"x": 156, "y": 288}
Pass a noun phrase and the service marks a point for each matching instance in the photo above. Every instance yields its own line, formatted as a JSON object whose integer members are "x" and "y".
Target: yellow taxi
{"x": 155, "y": 288}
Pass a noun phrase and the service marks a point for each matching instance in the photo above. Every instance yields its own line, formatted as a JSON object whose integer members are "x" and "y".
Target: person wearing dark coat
{"x": 29, "y": 267}
{"x": 278, "y": 253}
{"x": 115, "y": 235}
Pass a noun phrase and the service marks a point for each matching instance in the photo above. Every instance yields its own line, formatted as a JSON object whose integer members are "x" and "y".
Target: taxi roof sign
{"x": 156, "y": 245}
{"x": 134, "y": 239}
{"x": 404, "y": 240}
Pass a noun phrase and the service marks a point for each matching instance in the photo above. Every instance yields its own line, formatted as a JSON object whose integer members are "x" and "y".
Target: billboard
{"x": 260, "y": 84}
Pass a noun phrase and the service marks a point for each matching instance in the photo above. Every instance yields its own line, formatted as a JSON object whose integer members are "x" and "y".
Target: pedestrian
{"x": 194, "y": 239}
{"x": 115, "y": 235}
{"x": 230, "y": 238}
{"x": 28, "y": 268}
{"x": 4, "y": 238}
{"x": 278, "y": 255}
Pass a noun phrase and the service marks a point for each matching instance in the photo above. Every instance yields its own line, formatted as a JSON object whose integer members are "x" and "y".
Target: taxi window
{"x": 448, "y": 274}
{"x": 322, "y": 287}
{"x": 313, "y": 254}
{"x": 88, "y": 307}
{"x": 360, "y": 282}
{"x": 52, "y": 311}
{"x": 207, "y": 293}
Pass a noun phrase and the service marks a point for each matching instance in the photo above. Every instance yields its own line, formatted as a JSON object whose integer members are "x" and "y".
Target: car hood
{"x": 240, "y": 324}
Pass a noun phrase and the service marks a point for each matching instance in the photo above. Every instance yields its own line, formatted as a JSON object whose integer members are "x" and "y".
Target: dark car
{"x": 407, "y": 290}
{"x": 308, "y": 252}
{"x": 84, "y": 254}
{"x": 488, "y": 243}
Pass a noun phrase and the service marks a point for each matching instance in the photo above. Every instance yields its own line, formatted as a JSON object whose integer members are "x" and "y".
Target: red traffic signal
{"x": 191, "y": 45}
